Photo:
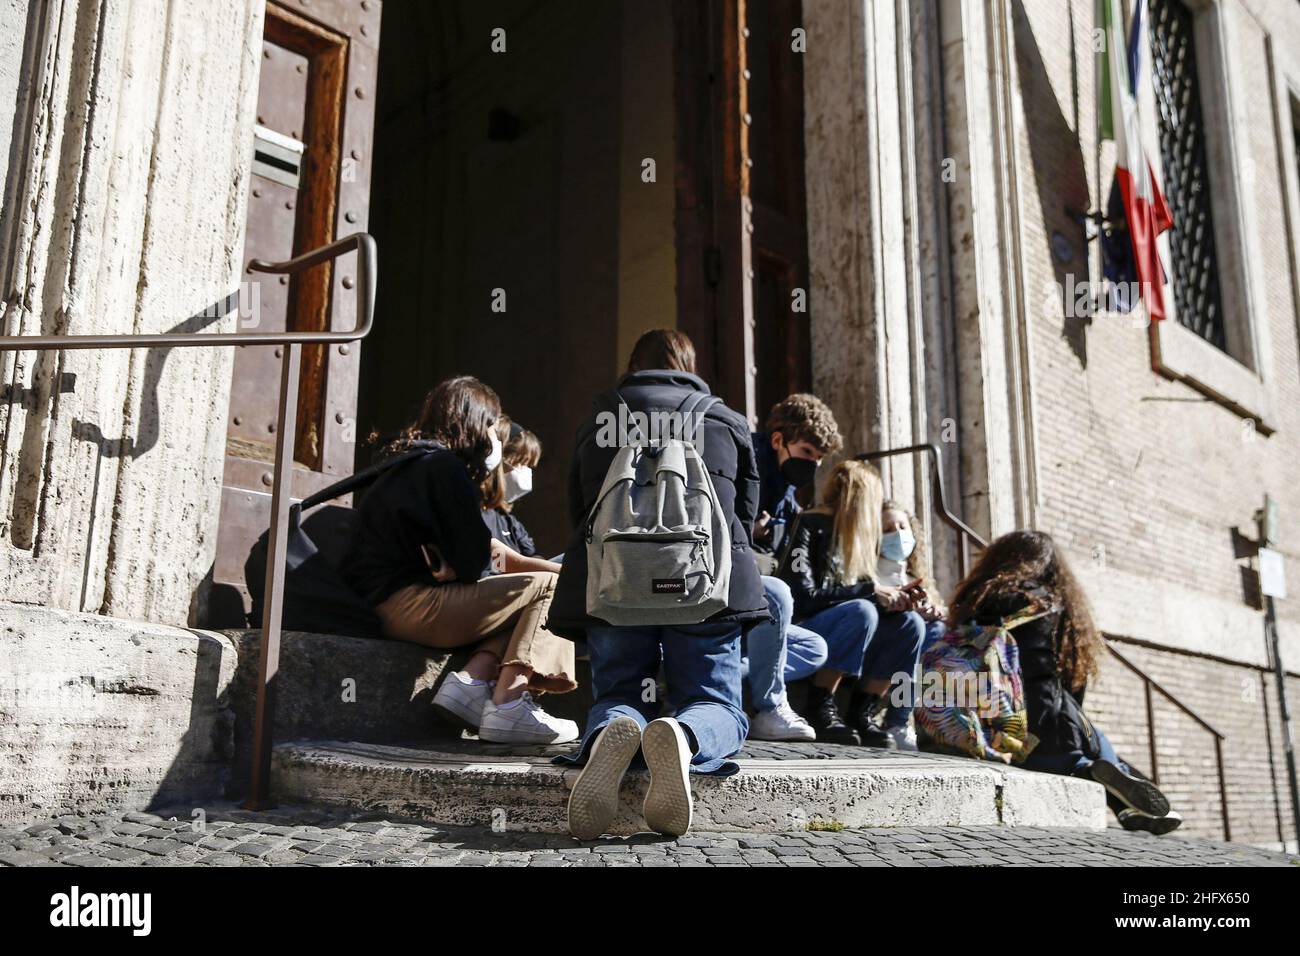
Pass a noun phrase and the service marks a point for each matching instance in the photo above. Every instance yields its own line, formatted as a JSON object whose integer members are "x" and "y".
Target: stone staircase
{"x": 355, "y": 730}
{"x": 135, "y": 715}
{"x": 781, "y": 787}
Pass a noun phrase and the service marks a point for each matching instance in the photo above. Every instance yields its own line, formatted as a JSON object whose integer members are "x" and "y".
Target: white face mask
{"x": 898, "y": 545}
{"x": 518, "y": 482}
{"x": 494, "y": 456}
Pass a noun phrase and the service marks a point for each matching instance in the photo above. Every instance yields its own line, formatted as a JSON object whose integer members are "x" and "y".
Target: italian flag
{"x": 1118, "y": 67}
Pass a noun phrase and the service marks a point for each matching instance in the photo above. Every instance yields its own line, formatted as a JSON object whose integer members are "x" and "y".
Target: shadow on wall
{"x": 32, "y": 456}
{"x": 1244, "y": 546}
{"x": 38, "y": 399}
{"x": 1061, "y": 177}
{"x": 150, "y": 416}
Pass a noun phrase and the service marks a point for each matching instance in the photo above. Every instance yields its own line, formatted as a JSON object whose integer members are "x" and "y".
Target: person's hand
{"x": 933, "y": 612}
{"x": 762, "y": 526}
{"x": 440, "y": 569}
{"x": 503, "y": 557}
{"x": 892, "y": 599}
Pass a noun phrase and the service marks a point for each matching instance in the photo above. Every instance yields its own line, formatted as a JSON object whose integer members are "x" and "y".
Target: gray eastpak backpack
{"x": 658, "y": 543}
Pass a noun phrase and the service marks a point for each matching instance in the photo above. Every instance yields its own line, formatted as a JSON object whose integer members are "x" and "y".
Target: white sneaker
{"x": 593, "y": 801}
{"x": 780, "y": 723}
{"x": 668, "y": 804}
{"x": 904, "y": 737}
{"x": 523, "y": 721}
{"x": 461, "y": 700}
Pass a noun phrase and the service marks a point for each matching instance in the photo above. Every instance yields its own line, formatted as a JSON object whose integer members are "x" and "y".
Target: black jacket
{"x": 430, "y": 501}
{"x": 1056, "y": 715}
{"x": 805, "y": 566}
{"x": 727, "y": 454}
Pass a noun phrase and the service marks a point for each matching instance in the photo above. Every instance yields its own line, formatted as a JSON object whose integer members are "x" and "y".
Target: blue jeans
{"x": 862, "y": 641}
{"x": 895, "y": 649}
{"x": 1072, "y": 761}
{"x": 933, "y": 631}
{"x": 778, "y": 651}
{"x": 702, "y": 665}
{"x": 848, "y": 629}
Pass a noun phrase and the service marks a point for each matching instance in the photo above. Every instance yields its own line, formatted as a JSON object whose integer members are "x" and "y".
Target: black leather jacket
{"x": 805, "y": 566}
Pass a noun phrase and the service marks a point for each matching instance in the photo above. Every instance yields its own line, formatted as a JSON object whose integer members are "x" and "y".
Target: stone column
{"x": 981, "y": 110}
{"x": 124, "y": 212}
{"x": 877, "y": 243}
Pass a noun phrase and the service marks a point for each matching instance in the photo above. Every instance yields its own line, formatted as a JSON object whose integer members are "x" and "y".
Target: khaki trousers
{"x": 501, "y": 614}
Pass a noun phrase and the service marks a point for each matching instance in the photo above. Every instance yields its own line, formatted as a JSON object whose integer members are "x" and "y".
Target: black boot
{"x": 1131, "y": 819}
{"x": 824, "y": 717}
{"x": 1125, "y": 787}
{"x": 864, "y": 711}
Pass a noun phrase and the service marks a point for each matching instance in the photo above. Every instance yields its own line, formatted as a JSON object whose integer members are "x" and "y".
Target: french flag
{"x": 1118, "y": 67}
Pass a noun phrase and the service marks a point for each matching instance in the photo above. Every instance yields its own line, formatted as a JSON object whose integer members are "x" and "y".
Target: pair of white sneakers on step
{"x": 467, "y": 702}
{"x": 668, "y": 803}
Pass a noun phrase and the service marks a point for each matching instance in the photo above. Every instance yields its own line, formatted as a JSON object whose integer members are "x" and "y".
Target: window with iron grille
{"x": 1194, "y": 265}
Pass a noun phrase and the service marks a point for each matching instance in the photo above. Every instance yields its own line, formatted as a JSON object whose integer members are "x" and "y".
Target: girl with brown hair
{"x": 421, "y": 548}
{"x": 509, "y": 482}
{"x": 1058, "y": 656}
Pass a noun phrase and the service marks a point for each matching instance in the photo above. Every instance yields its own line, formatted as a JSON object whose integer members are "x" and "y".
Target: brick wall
{"x": 1141, "y": 479}
{"x": 1240, "y": 701}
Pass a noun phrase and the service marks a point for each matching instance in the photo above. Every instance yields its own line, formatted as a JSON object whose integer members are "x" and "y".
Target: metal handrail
{"x": 367, "y": 257}
{"x": 1149, "y": 684}
{"x": 965, "y": 534}
{"x": 286, "y": 428}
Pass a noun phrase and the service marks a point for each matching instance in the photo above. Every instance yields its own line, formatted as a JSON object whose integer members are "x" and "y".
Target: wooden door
{"x": 309, "y": 186}
{"x": 741, "y": 223}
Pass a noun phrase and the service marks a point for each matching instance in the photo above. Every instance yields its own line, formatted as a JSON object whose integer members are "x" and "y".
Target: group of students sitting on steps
{"x": 743, "y": 589}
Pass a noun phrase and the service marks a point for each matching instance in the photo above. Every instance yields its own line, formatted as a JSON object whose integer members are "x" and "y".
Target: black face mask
{"x": 798, "y": 471}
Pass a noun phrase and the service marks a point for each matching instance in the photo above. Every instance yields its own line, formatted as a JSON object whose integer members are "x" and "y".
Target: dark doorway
{"x": 548, "y": 181}
{"x": 504, "y": 212}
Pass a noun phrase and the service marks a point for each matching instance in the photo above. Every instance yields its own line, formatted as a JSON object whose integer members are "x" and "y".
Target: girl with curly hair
{"x": 1058, "y": 656}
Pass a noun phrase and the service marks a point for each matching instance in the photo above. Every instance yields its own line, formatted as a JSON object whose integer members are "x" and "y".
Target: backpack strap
{"x": 692, "y": 403}
{"x": 1025, "y": 615}
{"x": 611, "y": 402}
{"x": 697, "y": 403}
{"x": 361, "y": 479}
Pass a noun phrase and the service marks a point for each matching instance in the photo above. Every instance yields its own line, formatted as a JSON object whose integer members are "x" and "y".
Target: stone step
{"x": 781, "y": 787}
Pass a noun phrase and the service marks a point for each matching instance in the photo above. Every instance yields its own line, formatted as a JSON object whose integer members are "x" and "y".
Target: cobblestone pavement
{"x": 305, "y": 836}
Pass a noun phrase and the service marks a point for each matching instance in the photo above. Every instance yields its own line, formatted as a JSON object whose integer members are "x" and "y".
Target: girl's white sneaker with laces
{"x": 461, "y": 699}
{"x": 904, "y": 737}
{"x": 780, "y": 723}
{"x": 523, "y": 721}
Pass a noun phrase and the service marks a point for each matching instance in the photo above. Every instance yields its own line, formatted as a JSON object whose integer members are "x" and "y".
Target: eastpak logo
{"x": 75, "y": 908}
{"x": 668, "y": 586}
